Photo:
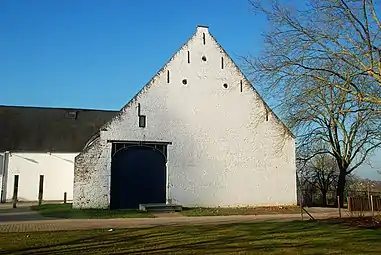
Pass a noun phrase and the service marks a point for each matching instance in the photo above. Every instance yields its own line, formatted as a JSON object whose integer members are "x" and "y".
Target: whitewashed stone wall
{"x": 92, "y": 176}
{"x": 227, "y": 149}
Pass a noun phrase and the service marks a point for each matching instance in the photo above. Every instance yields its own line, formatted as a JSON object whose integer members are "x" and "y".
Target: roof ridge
{"x": 55, "y": 108}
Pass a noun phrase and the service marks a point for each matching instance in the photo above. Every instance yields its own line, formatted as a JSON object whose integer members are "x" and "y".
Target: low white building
{"x": 198, "y": 134}
{"x": 40, "y": 142}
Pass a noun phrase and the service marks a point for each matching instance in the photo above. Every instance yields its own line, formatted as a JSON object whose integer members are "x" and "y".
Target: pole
{"x": 338, "y": 205}
{"x": 371, "y": 204}
{"x": 300, "y": 196}
{"x": 350, "y": 206}
{"x": 15, "y": 190}
{"x": 41, "y": 190}
{"x": 65, "y": 197}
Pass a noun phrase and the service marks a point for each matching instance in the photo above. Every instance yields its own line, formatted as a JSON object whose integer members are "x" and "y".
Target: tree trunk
{"x": 324, "y": 197}
{"x": 341, "y": 187}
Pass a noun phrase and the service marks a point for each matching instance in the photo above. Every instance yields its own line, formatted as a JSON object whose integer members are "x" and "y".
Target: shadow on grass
{"x": 222, "y": 211}
{"x": 21, "y": 217}
{"x": 19, "y": 214}
{"x": 65, "y": 211}
{"x": 265, "y": 237}
{"x": 367, "y": 222}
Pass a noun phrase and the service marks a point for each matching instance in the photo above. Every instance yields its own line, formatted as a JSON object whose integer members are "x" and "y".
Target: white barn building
{"x": 36, "y": 141}
{"x": 198, "y": 134}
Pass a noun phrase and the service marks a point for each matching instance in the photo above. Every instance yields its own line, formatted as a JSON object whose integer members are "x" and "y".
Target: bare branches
{"x": 323, "y": 63}
{"x": 328, "y": 38}
{"x": 321, "y": 173}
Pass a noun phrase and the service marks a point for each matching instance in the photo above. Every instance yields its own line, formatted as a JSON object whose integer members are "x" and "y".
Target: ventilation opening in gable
{"x": 138, "y": 109}
{"x": 241, "y": 86}
{"x": 222, "y": 62}
{"x": 168, "y": 76}
{"x": 142, "y": 118}
{"x": 203, "y": 38}
{"x": 71, "y": 115}
{"x": 203, "y": 58}
{"x": 185, "y": 82}
{"x": 188, "y": 57}
{"x": 142, "y": 121}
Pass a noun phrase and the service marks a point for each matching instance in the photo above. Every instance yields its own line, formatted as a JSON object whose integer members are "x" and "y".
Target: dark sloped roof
{"x": 38, "y": 129}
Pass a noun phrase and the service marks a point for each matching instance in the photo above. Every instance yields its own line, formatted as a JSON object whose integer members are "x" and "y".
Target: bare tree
{"x": 321, "y": 172}
{"x": 321, "y": 114}
{"x": 323, "y": 96}
{"x": 320, "y": 40}
{"x": 363, "y": 186}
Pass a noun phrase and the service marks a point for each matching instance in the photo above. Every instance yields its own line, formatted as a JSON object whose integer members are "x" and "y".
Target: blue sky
{"x": 98, "y": 54}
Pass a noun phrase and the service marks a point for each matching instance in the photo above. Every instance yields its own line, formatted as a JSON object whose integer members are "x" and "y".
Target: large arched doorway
{"x": 138, "y": 175}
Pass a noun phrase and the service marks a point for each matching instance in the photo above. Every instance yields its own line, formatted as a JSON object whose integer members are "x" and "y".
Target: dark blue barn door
{"x": 138, "y": 176}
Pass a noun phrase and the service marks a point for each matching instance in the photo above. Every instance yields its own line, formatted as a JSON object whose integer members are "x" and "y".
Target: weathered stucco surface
{"x": 92, "y": 176}
{"x": 224, "y": 151}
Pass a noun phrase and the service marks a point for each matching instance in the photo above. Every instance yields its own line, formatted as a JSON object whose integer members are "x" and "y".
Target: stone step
{"x": 160, "y": 207}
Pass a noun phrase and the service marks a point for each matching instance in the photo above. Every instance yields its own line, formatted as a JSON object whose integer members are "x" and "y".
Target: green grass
{"x": 67, "y": 212}
{"x": 194, "y": 212}
{"x": 251, "y": 238}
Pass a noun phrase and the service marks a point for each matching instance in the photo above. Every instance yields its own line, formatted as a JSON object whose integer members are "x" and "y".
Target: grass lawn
{"x": 193, "y": 212}
{"x": 65, "y": 211}
{"x": 251, "y": 238}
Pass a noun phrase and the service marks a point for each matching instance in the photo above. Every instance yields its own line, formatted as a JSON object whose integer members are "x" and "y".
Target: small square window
{"x": 142, "y": 121}
{"x": 71, "y": 114}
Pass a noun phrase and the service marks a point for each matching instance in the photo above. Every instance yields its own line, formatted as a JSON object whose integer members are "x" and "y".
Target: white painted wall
{"x": 2, "y": 173}
{"x": 223, "y": 152}
{"x": 57, "y": 168}
{"x": 4, "y": 160}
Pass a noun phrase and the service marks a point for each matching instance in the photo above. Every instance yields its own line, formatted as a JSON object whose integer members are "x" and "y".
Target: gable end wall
{"x": 223, "y": 153}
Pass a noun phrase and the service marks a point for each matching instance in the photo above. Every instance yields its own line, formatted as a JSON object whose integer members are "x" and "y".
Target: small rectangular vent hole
{"x": 241, "y": 86}
{"x": 203, "y": 38}
{"x": 142, "y": 121}
{"x": 267, "y": 114}
{"x": 168, "y": 76}
{"x": 222, "y": 62}
{"x": 188, "y": 57}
